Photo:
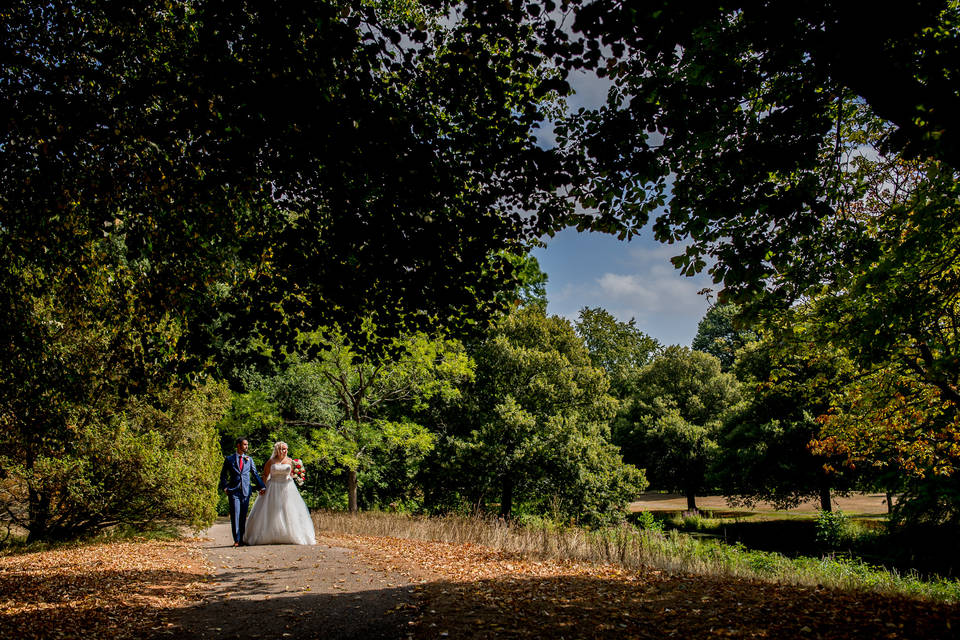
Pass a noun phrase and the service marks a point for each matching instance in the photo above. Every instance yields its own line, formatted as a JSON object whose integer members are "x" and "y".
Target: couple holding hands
{"x": 279, "y": 515}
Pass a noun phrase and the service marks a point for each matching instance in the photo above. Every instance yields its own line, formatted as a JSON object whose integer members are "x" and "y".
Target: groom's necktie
{"x": 240, "y": 464}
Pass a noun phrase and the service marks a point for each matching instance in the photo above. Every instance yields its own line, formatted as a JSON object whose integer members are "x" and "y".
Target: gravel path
{"x": 293, "y": 591}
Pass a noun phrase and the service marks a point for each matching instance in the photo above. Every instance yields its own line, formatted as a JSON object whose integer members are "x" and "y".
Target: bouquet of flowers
{"x": 298, "y": 473}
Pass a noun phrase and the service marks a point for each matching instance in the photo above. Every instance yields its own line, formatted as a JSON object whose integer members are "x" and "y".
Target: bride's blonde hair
{"x": 276, "y": 449}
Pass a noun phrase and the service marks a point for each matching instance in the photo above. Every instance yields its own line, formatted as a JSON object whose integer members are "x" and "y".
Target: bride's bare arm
{"x": 266, "y": 470}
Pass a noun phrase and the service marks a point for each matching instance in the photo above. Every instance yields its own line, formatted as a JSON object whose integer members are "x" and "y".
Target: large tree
{"x": 752, "y": 118}
{"x": 94, "y": 430}
{"x": 766, "y": 446}
{"x": 895, "y": 315}
{"x": 345, "y": 409}
{"x": 670, "y": 427}
{"x": 532, "y": 430}
{"x": 763, "y": 123}
{"x": 620, "y": 348}
{"x": 734, "y": 109}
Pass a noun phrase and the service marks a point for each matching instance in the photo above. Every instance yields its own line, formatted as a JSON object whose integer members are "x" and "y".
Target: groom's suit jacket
{"x": 236, "y": 482}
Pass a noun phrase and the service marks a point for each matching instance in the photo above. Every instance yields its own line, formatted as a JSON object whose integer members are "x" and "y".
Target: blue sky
{"x": 629, "y": 279}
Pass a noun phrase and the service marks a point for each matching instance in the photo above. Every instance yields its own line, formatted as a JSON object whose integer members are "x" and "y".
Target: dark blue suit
{"x": 236, "y": 483}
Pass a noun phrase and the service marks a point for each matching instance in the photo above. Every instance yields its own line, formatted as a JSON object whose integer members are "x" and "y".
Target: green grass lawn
{"x": 928, "y": 551}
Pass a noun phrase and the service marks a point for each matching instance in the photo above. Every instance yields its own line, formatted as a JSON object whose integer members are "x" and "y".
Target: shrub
{"x": 763, "y": 563}
{"x": 832, "y": 528}
{"x": 647, "y": 522}
{"x": 156, "y": 462}
{"x": 693, "y": 520}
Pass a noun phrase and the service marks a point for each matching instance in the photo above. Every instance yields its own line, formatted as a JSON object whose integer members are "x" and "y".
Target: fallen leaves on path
{"x": 111, "y": 590}
{"x": 471, "y": 591}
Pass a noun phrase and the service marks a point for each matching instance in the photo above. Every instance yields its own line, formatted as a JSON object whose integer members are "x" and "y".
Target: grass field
{"x": 860, "y": 504}
{"x": 862, "y": 534}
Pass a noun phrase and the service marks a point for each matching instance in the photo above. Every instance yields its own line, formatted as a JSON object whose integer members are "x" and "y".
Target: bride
{"x": 279, "y": 516}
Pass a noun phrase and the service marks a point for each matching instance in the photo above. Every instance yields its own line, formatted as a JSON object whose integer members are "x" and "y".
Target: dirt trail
{"x": 293, "y": 591}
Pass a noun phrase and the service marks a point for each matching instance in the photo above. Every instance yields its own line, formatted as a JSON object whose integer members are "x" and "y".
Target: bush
{"x": 156, "y": 462}
{"x": 647, "y": 522}
{"x": 763, "y": 563}
{"x": 833, "y": 528}
{"x": 692, "y": 520}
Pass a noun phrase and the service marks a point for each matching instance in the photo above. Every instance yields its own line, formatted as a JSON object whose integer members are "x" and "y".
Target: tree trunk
{"x": 691, "y": 500}
{"x": 39, "y": 516}
{"x": 825, "y": 503}
{"x": 889, "y": 502}
{"x": 506, "y": 498}
{"x": 352, "y": 490}
{"x": 38, "y": 507}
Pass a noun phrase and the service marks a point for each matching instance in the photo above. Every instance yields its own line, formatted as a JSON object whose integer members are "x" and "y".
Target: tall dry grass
{"x": 631, "y": 547}
{"x": 542, "y": 540}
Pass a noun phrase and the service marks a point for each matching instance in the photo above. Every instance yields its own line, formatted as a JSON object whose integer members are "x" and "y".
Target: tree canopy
{"x": 344, "y": 409}
{"x": 805, "y": 153}
{"x": 180, "y": 176}
{"x": 719, "y": 334}
{"x": 306, "y": 165}
{"x": 189, "y": 185}
{"x": 734, "y": 112}
{"x": 766, "y": 448}
{"x": 620, "y": 348}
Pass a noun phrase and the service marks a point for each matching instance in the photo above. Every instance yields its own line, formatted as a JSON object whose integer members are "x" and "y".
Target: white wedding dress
{"x": 280, "y": 515}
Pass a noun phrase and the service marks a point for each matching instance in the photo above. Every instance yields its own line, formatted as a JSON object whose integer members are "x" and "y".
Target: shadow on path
{"x": 280, "y": 591}
{"x": 659, "y": 605}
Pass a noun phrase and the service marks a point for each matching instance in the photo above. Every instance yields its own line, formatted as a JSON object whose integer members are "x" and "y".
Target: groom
{"x": 235, "y": 480}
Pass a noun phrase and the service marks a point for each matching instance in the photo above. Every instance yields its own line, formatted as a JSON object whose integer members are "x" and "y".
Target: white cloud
{"x": 630, "y": 280}
{"x": 664, "y": 303}
{"x": 622, "y": 286}
{"x": 589, "y": 90}
{"x": 659, "y": 290}
{"x": 652, "y": 254}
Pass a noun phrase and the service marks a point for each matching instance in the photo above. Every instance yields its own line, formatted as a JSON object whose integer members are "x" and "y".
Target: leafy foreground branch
{"x": 630, "y": 547}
